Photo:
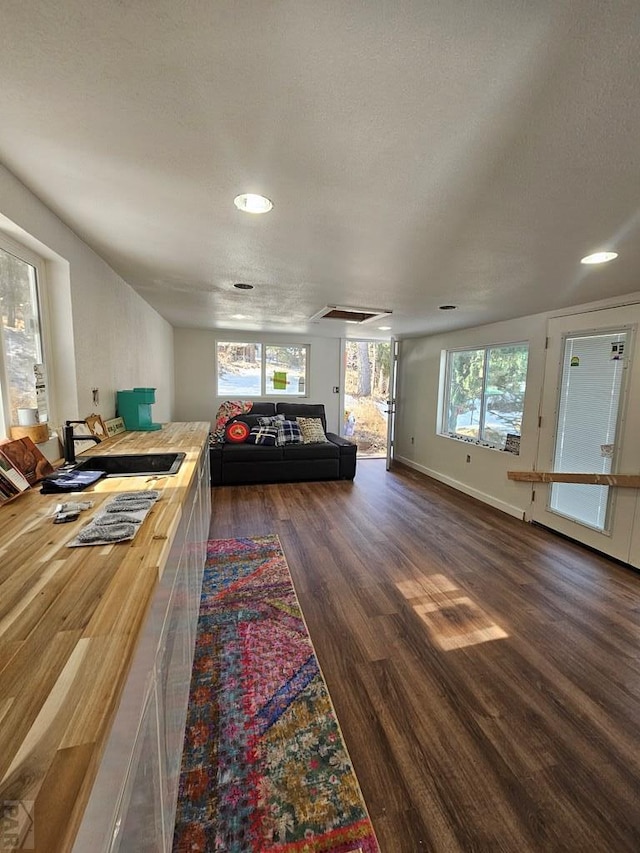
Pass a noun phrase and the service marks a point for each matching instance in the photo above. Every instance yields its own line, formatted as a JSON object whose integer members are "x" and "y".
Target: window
{"x": 484, "y": 393}
{"x": 20, "y": 335}
{"x": 248, "y": 370}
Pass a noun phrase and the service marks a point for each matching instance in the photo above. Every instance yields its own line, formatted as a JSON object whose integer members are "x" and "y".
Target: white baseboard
{"x": 503, "y": 506}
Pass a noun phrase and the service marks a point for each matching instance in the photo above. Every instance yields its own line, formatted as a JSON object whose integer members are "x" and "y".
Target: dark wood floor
{"x": 486, "y": 673}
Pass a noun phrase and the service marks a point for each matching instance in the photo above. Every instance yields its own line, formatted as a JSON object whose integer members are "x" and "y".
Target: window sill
{"x": 473, "y": 442}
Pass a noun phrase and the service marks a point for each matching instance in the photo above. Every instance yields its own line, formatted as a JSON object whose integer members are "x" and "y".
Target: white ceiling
{"x": 417, "y": 153}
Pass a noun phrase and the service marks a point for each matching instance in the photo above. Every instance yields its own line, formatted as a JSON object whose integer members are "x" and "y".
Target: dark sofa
{"x": 253, "y": 463}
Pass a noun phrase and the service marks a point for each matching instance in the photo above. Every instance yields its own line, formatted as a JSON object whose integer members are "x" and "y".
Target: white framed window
{"x": 21, "y": 340}
{"x": 484, "y": 393}
{"x": 247, "y": 369}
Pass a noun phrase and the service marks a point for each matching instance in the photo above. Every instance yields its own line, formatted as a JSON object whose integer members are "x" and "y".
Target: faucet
{"x": 70, "y": 438}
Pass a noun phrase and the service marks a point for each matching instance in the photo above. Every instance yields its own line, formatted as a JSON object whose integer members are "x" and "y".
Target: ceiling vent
{"x": 349, "y": 314}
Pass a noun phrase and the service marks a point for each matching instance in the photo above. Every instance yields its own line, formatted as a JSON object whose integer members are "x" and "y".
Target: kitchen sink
{"x": 133, "y": 464}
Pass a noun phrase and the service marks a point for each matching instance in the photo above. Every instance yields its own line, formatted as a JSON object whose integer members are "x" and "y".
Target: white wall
{"x": 445, "y": 459}
{"x": 195, "y": 350}
{"x": 104, "y": 335}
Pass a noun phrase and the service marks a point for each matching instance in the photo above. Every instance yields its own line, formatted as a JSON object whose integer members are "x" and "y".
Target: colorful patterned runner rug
{"x": 264, "y": 765}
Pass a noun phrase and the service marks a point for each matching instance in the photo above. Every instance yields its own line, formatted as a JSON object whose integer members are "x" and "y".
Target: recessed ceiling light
{"x": 599, "y": 258}
{"x": 242, "y": 286}
{"x": 384, "y": 328}
{"x": 252, "y": 203}
{"x": 447, "y": 307}
{"x": 238, "y": 316}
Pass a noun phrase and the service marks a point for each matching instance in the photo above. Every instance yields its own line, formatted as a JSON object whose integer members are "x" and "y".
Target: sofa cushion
{"x": 293, "y": 411}
{"x": 263, "y": 409}
{"x": 312, "y": 431}
{"x": 284, "y": 471}
{"x": 289, "y": 433}
{"x": 254, "y": 453}
{"x": 324, "y": 450}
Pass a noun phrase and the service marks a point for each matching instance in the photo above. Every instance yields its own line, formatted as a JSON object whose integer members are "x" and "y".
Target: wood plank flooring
{"x": 486, "y": 673}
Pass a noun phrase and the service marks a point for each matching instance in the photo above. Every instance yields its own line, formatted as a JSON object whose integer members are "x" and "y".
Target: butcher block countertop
{"x": 69, "y": 621}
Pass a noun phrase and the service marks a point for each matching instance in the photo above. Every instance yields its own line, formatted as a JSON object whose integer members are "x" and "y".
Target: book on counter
{"x": 27, "y": 458}
{"x": 12, "y": 481}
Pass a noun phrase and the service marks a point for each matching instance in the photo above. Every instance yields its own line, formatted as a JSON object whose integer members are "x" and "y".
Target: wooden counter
{"x": 73, "y": 627}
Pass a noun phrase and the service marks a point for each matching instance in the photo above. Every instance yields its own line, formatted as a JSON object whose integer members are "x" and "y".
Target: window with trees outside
{"x": 484, "y": 393}
{"x": 247, "y": 370}
{"x": 20, "y": 334}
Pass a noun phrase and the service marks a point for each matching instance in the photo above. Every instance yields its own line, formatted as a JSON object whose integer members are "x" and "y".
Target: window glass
{"x": 485, "y": 393}
{"x": 20, "y": 333}
{"x": 239, "y": 370}
{"x": 591, "y": 395}
{"x": 247, "y": 370}
{"x": 465, "y": 392}
{"x": 286, "y": 370}
{"x": 504, "y": 392}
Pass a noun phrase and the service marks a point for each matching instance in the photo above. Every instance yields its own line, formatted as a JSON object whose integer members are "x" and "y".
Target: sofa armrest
{"x": 347, "y": 455}
{"x": 339, "y": 440}
{"x": 215, "y": 460}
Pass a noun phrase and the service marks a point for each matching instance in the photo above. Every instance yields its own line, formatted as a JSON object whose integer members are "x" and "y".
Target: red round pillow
{"x": 236, "y": 431}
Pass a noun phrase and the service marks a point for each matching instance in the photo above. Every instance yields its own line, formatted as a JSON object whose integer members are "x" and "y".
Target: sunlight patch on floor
{"x": 452, "y": 619}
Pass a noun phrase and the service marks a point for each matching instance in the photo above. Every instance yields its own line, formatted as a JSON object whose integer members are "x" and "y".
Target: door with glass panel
{"x": 367, "y": 376}
{"x": 590, "y": 417}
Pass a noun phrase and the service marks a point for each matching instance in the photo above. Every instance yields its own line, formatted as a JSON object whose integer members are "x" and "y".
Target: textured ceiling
{"x": 417, "y": 153}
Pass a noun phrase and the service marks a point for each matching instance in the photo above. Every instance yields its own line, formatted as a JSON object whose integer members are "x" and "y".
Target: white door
{"x": 391, "y": 402}
{"x": 590, "y": 420}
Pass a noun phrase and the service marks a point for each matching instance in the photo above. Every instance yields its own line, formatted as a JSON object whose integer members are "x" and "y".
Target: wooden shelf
{"x": 38, "y": 433}
{"x": 626, "y": 481}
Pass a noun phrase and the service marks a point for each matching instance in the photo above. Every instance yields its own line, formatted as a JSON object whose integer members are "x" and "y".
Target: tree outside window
{"x": 250, "y": 369}
{"x": 485, "y": 393}
{"x": 367, "y": 369}
{"x": 19, "y": 334}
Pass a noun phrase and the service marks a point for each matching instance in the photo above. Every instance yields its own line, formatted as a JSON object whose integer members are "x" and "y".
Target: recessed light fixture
{"x": 384, "y": 328}
{"x": 599, "y": 258}
{"x": 447, "y": 307}
{"x": 238, "y": 316}
{"x": 242, "y": 286}
{"x": 252, "y": 203}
